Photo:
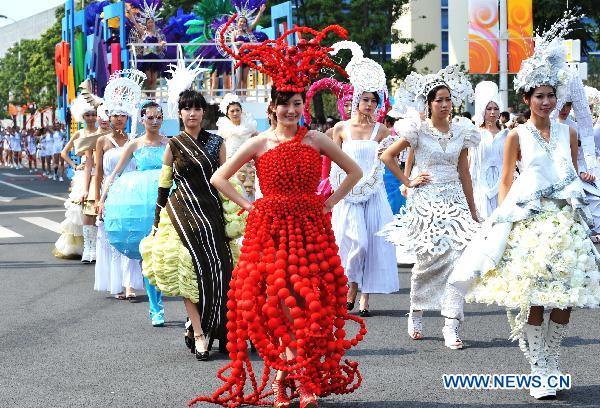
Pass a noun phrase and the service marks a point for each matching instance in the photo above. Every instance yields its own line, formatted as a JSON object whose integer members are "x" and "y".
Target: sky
{"x": 18, "y": 10}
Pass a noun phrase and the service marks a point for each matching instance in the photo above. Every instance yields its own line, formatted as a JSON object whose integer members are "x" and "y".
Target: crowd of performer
{"x": 271, "y": 238}
{"x": 26, "y": 148}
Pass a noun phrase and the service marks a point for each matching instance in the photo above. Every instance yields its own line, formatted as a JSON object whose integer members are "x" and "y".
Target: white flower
{"x": 570, "y": 258}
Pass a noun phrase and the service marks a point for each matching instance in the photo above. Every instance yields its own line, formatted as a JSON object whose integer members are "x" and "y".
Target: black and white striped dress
{"x": 196, "y": 212}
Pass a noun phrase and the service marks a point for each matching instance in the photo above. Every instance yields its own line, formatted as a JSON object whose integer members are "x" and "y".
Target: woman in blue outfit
{"x": 392, "y": 184}
{"x": 130, "y": 198}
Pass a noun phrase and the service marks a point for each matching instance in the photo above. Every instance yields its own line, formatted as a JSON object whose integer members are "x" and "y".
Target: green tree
{"x": 370, "y": 24}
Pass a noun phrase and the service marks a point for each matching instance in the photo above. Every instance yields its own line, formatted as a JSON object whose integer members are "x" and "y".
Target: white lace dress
{"x": 366, "y": 257}
{"x": 485, "y": 165}
{"x": 436, "y": 223}
{"x": 235, "y": 136}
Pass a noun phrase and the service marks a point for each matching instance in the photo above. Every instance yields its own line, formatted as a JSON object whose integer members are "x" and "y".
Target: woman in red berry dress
{"x": 288, "y": 291}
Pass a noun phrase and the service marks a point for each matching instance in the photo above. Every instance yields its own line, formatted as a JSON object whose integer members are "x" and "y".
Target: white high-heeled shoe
{"x": 415, "y": 324}
{"x": 450, "y": 332}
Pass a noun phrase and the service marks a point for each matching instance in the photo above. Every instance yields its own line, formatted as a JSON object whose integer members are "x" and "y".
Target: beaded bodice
{"x": 292, "y": 168}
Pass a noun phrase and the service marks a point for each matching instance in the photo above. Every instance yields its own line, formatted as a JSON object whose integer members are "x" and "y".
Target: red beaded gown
{"x": 289, "y": 288}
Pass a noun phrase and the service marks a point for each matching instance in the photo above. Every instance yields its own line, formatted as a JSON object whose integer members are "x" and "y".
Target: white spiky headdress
{"x": 416, "y": 87}
{"x": 364, "y": 74}
{"x": 182, "y": 77}
{"x": 149, "y": 12}
{"x": 485, "y": 92}
{"x": 247, "y": 8}
{"x": 548, "y": 64}
{"x": 228, "y": 100}
{"x": 80, "y": 106}
{"x": 124, "y": 92}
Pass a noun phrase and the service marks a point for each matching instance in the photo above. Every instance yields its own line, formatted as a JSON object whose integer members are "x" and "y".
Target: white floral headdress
{"x": 416, "y": 87}
{"x": 124, "y": 91}
{"x": 593, "y": 96}
{"x": 228, "y": 100}
{"x": 364, "y": 74}
{"x": 485, "y": 92}
{"x": 182, "y": 77}
{"x": 548, "y": 64}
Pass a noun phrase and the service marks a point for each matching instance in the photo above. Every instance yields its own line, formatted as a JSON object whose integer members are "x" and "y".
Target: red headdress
{"x": 342, "y": 91}
{"x": 291, "y": 67}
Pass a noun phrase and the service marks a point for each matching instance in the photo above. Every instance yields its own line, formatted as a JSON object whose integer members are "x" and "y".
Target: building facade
{"x": 30, "y": 28}
{"x": 443, "y": 23}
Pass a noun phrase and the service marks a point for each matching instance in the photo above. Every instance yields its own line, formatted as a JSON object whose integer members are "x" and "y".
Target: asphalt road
{"x": 64, "y": 345}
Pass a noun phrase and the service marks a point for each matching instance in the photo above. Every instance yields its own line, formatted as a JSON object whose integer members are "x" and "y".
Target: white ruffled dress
{"x": 436, "y": 223}
{"x": 70, "y": 241}
{"x": 534, "y": 250}
{"x": 235, "y": 136}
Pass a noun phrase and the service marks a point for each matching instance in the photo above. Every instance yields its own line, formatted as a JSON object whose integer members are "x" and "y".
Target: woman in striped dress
{"x": 189, "y": 255}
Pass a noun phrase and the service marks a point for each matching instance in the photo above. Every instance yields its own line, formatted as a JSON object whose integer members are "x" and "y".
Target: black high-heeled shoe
{"x": 349, "y": 305}
{"x": 364, "y": 313}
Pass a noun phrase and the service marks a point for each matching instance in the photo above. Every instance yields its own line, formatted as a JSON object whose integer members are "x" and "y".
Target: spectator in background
{"x": 504, "y": 119}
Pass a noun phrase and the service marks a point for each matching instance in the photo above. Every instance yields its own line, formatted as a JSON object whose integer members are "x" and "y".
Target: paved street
{"x": 64, "y": 345}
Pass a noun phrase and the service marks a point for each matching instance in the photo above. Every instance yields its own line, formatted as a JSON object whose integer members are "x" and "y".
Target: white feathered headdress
{"x": 182, "y": 77}
{"x": 364, "y": 74}
{"x": 228, "y": 99}
{"x": 80, "y": 106}
{"x": 485, "y": 92}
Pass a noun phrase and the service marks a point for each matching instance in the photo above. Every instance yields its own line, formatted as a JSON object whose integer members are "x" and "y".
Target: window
{"x": 444, "y": 33}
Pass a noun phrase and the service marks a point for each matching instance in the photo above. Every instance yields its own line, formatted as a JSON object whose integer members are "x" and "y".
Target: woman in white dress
{"x": 47, "y": 151}
{"x": 235, "y": 128}
{"x": 440, "y": 214}
{"x": 114, "y": 273}
{"x": 70, "y": 242}
{"x": 534, "y": 252}
{"x": 58, "y": 142}
{"x": 368, "y": 260}
{"x": 485, "y": 160}
{"x": 17, "y": 147}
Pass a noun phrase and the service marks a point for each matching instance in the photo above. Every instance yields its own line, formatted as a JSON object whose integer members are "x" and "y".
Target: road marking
{"x": 6, "y": 233}
{"x": 12, "y": 175}
{"x": 33, "y": 191}
{"x": 30, "y": 211}
{"x": 44, "y": 223}
{"x": 6, "y": 199}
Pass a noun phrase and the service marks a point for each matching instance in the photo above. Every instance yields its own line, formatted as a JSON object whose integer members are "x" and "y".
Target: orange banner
{"x": 483, "y": 36}
{"x": 520, "y": 31}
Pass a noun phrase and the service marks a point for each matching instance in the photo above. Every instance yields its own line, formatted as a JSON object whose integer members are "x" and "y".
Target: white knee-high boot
{"x": 85, "y": 257}
{"x": 554, "y": 336}
{"x": 93, "y": 237}
{"x": 537, "y": 359}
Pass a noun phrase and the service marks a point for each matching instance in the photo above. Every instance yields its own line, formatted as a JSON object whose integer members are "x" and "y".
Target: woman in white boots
{"x": 440, "y": 218}
{"x": 534, "y": 252}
